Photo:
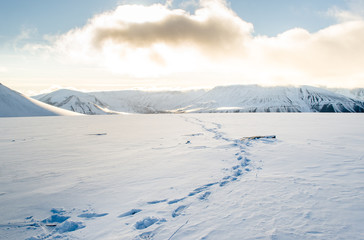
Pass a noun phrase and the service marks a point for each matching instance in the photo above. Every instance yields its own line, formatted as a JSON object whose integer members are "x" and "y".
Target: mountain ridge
{"x": 15, "y": 104}
{"x": 221, "y": 99}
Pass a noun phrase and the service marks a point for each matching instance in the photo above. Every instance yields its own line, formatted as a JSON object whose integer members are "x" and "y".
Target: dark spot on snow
{"x": 98, "y": 134}
{"x": 130, "y": 213}
{"x": 188, "y": 142}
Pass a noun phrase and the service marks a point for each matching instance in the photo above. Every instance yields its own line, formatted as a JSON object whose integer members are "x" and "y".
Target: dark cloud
{"x": 213, "y": 34}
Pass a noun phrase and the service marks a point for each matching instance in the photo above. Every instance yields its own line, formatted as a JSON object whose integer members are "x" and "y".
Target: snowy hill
{"x": 238, "y": 98}
{"x": 356, "y": 93}
{"x": 76, "y": 101}
{"x": 14, "y": 104}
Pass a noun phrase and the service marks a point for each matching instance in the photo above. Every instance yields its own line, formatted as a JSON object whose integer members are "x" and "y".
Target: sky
{"x": 124, "y": 44}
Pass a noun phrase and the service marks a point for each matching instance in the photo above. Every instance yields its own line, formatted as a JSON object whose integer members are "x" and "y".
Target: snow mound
{"x": 15, "y": 104}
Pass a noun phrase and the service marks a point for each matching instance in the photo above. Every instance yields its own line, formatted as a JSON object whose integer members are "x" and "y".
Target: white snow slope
{"x": 223, "y": 99}
{"x": 76, "y": 101}
{"x": 356, "y": 93}
{"x": 182, "y": 177}
{"x": 14, "y": 104}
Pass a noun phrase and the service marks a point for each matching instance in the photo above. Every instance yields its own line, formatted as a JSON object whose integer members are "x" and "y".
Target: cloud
{"x": 344, "y": 15}
{"x": 3, "y": 69}
{"x": 208, "y": 33}
{"x": 213, "y": 42}
{"x": 213, "y": 28}
{"x": 354, "y": 11}
{"x": 157, "y": 39}
{"x": 333, "y": 54}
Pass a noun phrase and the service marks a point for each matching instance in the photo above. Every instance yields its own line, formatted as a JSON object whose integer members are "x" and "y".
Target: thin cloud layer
{"x": 154, "y": 41}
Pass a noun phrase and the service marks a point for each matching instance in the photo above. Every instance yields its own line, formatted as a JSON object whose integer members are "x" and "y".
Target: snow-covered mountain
{"x": 240, "y": 98}
{"x": 76, "y": 101}
{"x": 15, "y": 104}
{"x": 356, "y": 93}
{"x": 273, "y": 99}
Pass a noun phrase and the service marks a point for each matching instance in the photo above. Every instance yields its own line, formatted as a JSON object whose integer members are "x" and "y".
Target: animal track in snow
{"x": 92, "y": 215}
{"x": 176, "y": 200}
{"x": 147, "y": 235}
{"x": 201, "y": 189}
{"x": 147, "y": 222}
{"x": 60, "y": 222}
{"x": 178, "y": 211}
{"x": 203, "y": 192}
{"x": 204, "y": 196}
{"x": 157, "y": 201}
{"x": 130, "y": 213}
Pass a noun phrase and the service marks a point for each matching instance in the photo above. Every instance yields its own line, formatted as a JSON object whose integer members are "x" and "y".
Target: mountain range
{"x": 222, "y": 99}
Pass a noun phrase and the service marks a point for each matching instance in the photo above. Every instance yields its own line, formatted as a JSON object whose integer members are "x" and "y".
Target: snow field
{"x": 182, "y": 177}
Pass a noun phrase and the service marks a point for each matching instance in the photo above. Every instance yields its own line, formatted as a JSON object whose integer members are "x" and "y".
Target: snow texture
{"x": 224, "y": 99}
{"x": 60, "y": 179}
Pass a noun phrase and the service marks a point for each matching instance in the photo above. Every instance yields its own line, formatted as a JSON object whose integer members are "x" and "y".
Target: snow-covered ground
{"x": 182, "y": 177}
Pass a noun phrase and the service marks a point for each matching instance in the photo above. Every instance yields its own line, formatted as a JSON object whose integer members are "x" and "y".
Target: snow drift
{"x": 15, "y": 104}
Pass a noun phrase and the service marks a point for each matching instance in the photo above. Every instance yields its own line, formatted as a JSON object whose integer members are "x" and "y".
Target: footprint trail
{"x": 242, "y": 166}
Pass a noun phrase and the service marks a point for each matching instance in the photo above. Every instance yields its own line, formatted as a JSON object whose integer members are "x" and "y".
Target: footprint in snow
{"x": 146, "y": 235}
{"x": 147, "y": 222}
{"x": 54, "y": 220}
{"x": 201, "y": 189}
{"x": 57, "y": 223}
{"x": 176, "y": 200}
{"x": 157, "y": 201}
{"x": 130, "y": 213}
{"x": 178, "y": 211}
{"x": 204, "y": 196}
{"x": 92, "y": 215}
